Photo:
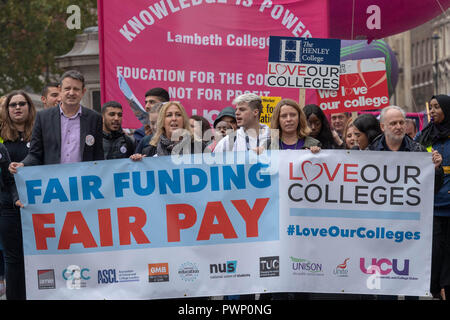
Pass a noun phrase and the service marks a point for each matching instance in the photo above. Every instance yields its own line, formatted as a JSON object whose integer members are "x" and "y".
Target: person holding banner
{"x": 366, "y": 129}
{"x": 70, "y": 133}
{"x": 394, "y": 138}
{"x": 436, "y": 137}
{"x": 18, "y": 115}
{"x": 173, "y": 134}
{"x": 320, "y": 128}
{"x": 294, "y": 131}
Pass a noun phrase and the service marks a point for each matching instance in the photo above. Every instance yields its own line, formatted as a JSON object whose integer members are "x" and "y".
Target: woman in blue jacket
{"x": 436, "y": 135}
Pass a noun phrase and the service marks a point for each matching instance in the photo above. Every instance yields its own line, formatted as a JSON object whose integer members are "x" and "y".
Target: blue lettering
{"x": 33, "y": 190}
{"x": 215, "y": 179}
{"x": 264, "y": 179}
{"x": 120, "y": 184}
{"x": 238, "y": 180}
{"x": 54, "y": 191}
{"x": 165, "y": 180}
{"x": 91, "y": 185}
{"x": 188, "y": 179}
{"x": 73, "y": 186}
{"x": 137, "y": 183}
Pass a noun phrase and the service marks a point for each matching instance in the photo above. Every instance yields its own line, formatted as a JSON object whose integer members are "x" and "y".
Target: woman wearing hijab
{"x": 320, "y": 128}
{"x": 366, "y": 129}
{"x": 436, "y": 136}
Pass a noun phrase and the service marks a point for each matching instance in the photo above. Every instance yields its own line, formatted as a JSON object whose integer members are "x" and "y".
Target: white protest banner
{"x": 336, "y": 221}
{"x": 311, "y": 63}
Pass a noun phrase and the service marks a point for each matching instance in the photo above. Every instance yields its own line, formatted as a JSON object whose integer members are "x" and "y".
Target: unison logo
{"x": 299, "y": 264}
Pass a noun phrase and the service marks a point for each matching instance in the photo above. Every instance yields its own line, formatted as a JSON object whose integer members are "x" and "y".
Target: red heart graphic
{"x": 281, "y": 67}
{"x": 312, "y": 165}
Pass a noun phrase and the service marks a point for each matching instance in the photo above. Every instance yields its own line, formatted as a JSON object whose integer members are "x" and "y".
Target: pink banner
{"x": 204, "y": 52}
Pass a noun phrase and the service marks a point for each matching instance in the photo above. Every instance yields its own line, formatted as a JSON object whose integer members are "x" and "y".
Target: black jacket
{"x": 117, "y": 145}
{"x": 409, "y": 145}
{"x": 8, "y": 191}
{"x": 46, "y": 138}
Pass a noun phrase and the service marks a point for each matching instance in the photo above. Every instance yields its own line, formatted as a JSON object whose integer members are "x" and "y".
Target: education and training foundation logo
{"x": 46, "y": 279}
{"x": 158, "y": 272}
{"x": 188, "y": 271}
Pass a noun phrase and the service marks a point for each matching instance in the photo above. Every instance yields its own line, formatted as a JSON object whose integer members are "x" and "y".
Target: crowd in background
{"x": 66, "y": 132}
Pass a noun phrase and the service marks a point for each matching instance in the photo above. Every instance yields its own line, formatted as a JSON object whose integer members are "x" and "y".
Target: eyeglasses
{"x": 20, "y": 104}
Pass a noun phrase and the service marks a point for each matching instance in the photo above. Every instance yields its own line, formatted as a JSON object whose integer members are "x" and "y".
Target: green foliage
{"x": 32, "y": 33}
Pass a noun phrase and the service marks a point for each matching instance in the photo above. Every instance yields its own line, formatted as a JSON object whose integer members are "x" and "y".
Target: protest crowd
{"x": 66, "y": 132}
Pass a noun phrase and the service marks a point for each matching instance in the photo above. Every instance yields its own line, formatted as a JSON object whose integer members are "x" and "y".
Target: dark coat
{"x": 46, "y": 138}
{"x": 409, "y": 145}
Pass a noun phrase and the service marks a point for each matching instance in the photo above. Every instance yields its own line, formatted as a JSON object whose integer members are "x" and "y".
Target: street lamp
{"x": 436, "y": 38}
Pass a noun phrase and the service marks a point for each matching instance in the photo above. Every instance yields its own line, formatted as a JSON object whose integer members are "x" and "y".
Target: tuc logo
{"x": 384, "y": 266}
{"x": 269, "y": 266}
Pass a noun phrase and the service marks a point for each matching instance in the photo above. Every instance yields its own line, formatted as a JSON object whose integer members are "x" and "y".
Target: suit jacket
{"x": 45, "y": 145}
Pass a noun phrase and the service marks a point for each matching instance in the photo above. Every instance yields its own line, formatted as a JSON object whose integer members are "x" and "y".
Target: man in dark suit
{"x": 67, "y": 133}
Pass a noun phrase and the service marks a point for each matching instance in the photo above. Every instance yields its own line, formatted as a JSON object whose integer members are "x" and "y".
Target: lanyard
{"x": 247, "y": 141}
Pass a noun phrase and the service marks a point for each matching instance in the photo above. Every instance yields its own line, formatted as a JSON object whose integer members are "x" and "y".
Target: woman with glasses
{"x": 17, "y": 118}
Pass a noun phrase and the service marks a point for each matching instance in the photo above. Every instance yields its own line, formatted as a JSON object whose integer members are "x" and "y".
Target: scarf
{"x": 165, "y": 145}
{"x": 436, "y": 131}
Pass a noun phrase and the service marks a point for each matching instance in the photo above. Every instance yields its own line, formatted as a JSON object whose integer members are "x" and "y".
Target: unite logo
{"x": 384, "y": 266}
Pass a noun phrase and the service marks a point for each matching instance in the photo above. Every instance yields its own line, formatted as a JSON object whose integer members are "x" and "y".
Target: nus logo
{"x": 228, "y": 267}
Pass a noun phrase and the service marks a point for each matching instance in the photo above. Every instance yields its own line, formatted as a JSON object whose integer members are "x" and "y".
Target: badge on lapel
{"x": 90, "y": 140}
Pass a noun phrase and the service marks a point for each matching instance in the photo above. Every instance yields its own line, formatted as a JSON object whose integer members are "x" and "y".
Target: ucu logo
{"x": 384, "y": 266}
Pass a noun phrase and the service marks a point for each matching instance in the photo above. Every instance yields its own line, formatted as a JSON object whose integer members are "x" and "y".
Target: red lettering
{"x": 291, "y": 172}
{"x": 127, "y": 228}
{"x": 301, "y": 70}
{"x": 347, "y": 172}
{"x": 105, "y": 227}
{"x": 175, "y": 224}
{"x": 74, "y": 219}
{"x": 224, "y": 225}
{"x": 251, "y": 216}
{"x": 331, "y": 177}
{"x": 41, "y": 233}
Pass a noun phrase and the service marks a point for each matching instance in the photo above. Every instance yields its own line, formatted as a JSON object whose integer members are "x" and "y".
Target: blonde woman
{"x": 173, "y": 134}
{"x": 293, "y": 128}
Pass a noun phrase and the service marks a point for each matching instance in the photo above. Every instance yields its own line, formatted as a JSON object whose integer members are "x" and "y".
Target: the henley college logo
{"x": 269, "y": 267}
{"x": 290, "y": 50}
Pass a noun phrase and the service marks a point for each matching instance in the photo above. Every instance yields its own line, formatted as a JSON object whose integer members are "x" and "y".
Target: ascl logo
{"x": 385, "y": 266}
{"x": 107, "y": 276}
